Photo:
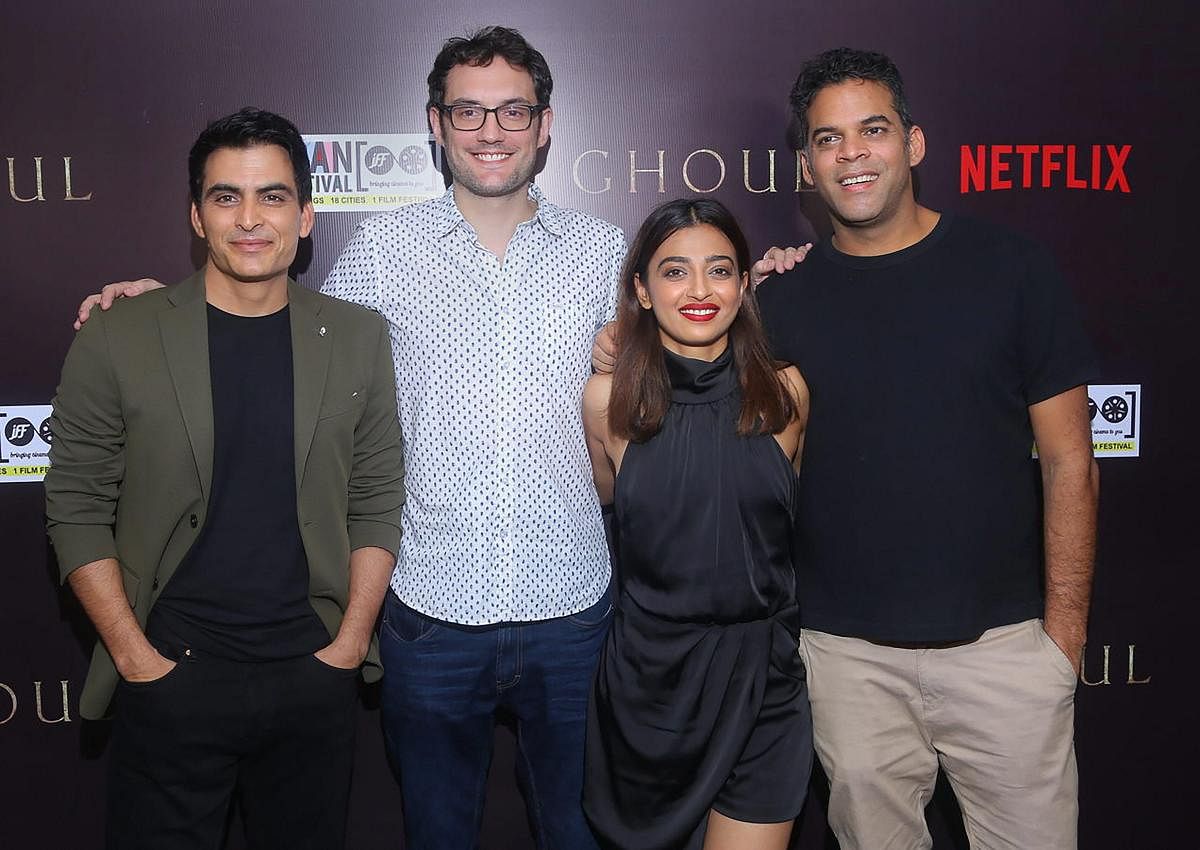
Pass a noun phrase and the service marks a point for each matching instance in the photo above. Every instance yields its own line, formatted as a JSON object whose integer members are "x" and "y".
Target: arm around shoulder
{"x": 87, "y": 453}
{"x": 793, "y": 436}
{"x": 596, "y": 432}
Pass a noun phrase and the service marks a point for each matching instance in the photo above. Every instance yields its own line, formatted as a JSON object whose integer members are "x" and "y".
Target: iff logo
{"x": 19, "y": 431}
{"x": 379, "y": 160}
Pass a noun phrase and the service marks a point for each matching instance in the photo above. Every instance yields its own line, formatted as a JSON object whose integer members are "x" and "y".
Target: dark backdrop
{"x": 121, "y": 88}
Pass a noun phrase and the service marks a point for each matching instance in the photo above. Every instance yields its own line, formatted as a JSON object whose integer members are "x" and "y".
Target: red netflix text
{"x": 996, "y": 167}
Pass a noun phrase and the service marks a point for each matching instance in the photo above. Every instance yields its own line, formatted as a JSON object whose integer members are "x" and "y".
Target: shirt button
{"x": 154, "y": 584}
{"x": 194, "y": 520}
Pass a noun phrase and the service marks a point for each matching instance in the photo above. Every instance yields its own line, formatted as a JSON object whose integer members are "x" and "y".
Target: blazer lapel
{"x": 184, "y": 332}
{"x": 310, "y": 364}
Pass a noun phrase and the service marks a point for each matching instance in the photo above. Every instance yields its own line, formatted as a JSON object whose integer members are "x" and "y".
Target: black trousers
{"x": 278, "y": 736}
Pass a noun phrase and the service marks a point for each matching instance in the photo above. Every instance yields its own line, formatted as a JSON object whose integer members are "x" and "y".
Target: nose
{"x": 852, "y": 147}
{"x": 698, "y": 286}
{"x": 248, "y": 216}
{"x": 491, "y": 131}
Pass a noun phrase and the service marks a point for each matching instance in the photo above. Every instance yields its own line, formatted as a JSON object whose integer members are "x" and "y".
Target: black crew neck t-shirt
{"x": 920, "y": 503}
{"x": 241, "y": 593}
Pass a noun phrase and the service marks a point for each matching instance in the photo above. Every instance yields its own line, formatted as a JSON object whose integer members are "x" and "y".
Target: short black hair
{"x": 480, "y": 48}
{"x": 841, "y": 64}
{"x": 247, "y": 128}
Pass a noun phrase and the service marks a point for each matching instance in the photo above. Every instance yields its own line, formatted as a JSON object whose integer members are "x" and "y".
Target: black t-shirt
{"x": 920, "y": 504}
{"x": 242, "y": 591}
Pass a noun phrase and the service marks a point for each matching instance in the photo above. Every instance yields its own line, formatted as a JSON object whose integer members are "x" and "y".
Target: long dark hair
{"x": 641, "y": 392}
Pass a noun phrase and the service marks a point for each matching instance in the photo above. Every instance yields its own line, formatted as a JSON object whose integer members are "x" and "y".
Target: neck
{"x": 905, "y": 228}
{"x": 707, "y": 353}
{"x": 495, "y": 219}
{"x": 257, "y": 298}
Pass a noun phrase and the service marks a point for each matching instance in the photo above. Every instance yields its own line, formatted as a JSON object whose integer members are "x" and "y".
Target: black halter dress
{"x": 699, "y": 700}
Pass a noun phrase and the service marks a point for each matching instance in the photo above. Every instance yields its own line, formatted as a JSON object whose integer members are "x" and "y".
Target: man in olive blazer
{"x": 174, "y": 437}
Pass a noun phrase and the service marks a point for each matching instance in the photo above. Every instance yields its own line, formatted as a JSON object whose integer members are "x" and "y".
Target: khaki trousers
{"x": 996, "y": 714}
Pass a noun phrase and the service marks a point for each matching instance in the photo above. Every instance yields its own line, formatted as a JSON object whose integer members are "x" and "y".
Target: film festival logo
{"x": 24, "y": 442}
{"x": 1116, "y": 418}
{"x": 373, "y": 172}
{"x": 30, "y": 178}
{"x": 990, "y": 168}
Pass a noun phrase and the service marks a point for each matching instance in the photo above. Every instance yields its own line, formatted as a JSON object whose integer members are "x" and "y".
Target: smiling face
{"x": 250, "y": 214}
{"x": 490, "y": 162}
{"x": 693, "y": 285}
{"x": 859, "y": 156}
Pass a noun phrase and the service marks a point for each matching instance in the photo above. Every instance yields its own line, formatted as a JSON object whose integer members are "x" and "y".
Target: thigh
{"x": 173, "y": 765}
{"x": 557, "y": 661}
{"x": 1006, "y": 735}
{"x": 868, "y": 728}
{"x": 724, "y": 833}
{"x": 438, "y": 707}
{"x": 770, "y": 780}
{"x": 294, "y": 785}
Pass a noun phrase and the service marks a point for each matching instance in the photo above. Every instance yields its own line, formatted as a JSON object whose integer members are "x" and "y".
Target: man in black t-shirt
{"x": 224, "y": 498}
{"x": 944, "y": 575}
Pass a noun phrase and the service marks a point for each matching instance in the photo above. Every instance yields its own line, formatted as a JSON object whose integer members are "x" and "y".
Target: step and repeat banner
{"x": 1072, "y": 123}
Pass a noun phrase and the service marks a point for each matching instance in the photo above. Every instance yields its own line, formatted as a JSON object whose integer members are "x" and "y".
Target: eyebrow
{"x": 711, "y": 258}
{"x": 463, "y": 101}
{"x": 217, "y": 188}
{"x": 870, "y": 119}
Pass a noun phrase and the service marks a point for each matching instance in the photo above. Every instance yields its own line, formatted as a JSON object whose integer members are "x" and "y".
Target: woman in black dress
{"x": 699, "y": 732}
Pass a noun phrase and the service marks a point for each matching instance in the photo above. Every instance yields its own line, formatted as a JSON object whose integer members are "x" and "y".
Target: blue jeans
{"x": 442, "y": 687}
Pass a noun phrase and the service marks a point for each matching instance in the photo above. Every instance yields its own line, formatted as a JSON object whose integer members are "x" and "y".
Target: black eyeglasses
{"x": 513, "y": 117}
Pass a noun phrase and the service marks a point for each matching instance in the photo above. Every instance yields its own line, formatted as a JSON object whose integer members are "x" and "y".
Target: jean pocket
{"x": 403, "y": 623}
{"x": 598, "y": 614}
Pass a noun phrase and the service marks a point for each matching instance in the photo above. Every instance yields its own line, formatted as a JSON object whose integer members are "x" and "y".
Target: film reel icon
{"x": 412, "y": 159}
{"x": 1114, "y": 409}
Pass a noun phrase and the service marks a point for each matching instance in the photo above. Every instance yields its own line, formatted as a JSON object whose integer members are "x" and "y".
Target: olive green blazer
{"x": 132, "y": 449}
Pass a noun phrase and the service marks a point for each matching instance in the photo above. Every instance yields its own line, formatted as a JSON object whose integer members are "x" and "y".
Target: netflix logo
{"x": 995, "y": 167}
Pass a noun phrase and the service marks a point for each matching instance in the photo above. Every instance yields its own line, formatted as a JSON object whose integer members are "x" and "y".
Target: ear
{"x": 197, "y": 224}
{"x": 306, "y": 219}
{"x": 916, "y": 146}
{"x": 745, "y": 283}
{"x": 805, "y": 169}
{"x": 435, "y": 124}
{"x": 544, "y": 122}
{"x": 643, "y": 294}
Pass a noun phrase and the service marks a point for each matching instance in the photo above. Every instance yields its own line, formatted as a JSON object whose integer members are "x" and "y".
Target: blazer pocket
{"x": 342, "y": 402}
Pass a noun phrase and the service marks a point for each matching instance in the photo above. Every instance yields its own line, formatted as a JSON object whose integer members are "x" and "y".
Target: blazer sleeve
{"x": 376, "y": 491}
{"x": 87, "y": 452}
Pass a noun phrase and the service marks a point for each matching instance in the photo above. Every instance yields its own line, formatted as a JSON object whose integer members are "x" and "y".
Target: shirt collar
{"x": 549, "y": 215}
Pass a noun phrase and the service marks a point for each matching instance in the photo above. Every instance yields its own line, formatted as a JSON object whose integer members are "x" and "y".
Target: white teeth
{"x": 862, "y": 178}
{"x": 705, "y": 312}
{"x": 492, "y": 157}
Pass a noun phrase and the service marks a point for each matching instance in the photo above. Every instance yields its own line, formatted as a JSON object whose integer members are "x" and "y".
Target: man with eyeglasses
{"x": 500, "y": 603}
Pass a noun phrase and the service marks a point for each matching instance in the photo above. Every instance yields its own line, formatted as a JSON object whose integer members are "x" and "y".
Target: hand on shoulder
{"x": 106, "y": 296}
{"x": 777, "y": 261}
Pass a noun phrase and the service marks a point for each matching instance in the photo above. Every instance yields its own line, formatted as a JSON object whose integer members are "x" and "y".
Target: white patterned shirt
{"x": 502, "y": 522}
